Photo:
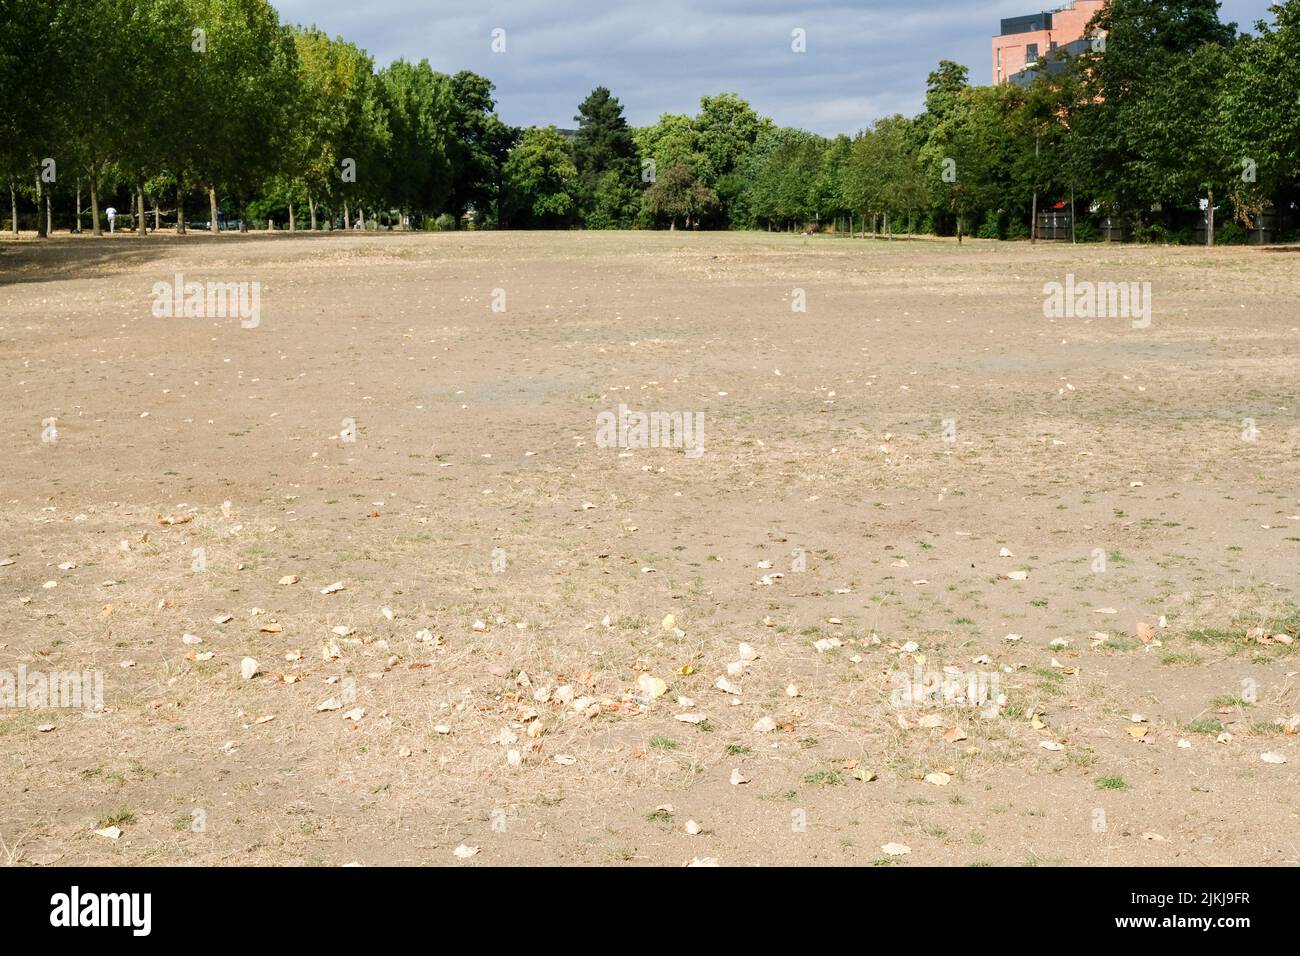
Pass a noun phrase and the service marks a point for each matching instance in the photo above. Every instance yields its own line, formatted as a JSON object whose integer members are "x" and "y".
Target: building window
{"x": 999, "y": 57}
{"x": 1031, "y": 53}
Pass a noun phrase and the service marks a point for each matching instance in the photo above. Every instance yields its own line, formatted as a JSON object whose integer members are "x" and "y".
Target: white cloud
{"x": 863, "y": 61}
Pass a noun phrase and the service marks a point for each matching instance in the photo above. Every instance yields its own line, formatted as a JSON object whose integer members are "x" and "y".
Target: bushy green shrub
{"x": 1230, "y": 234}
{"x": 1085, "y": 231}
{"x": 1152, "y": 233}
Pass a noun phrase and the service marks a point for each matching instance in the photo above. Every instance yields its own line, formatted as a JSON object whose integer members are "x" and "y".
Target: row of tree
{"x": 1166, "y": 111}
{"x": 169, "y": 101}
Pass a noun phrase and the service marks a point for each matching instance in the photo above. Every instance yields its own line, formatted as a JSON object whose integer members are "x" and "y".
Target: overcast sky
{"x": 864, "y": 59}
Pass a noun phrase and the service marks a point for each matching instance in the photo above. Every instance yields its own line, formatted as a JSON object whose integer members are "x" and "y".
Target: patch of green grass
{"x": 1181, "y": 660}
{"x": 824, "y": 778}
{"x": 660, "y": 742}
{"x": 659, "y": 816}
{"x": 1050, "y": 681}
{"x": 1229, "y": 700}
{"x": 738, "y": 750}
{"x": 1112, "y": 783}
{"x": 1120, "y": 644}
{"x": 119, "y": 818}
{"x": 1204, "y": 726}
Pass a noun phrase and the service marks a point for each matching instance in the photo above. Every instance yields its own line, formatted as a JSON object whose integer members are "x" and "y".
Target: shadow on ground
{"x": 28, "y": 259}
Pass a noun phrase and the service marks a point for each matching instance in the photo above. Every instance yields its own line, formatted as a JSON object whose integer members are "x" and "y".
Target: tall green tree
{"x": 94, "y": 69}
{"x": 970, "y": 153}
{"x": 479, "y": 145}
{"x": 248, "y": 74}
{"x": 605, "y": 155}
{"x": 337, "y": 116}
{"x": 726, "y": 129}
{"x": 541, "y": 186}
{"x": 1145, "y": 53}
{"x": 1259, "y": 110}
{"x": 417, "y": 103}
{"x": 33, "y": 72}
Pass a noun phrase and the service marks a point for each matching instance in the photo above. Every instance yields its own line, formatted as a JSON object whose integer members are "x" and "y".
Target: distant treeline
{"x": 175, "y": 109}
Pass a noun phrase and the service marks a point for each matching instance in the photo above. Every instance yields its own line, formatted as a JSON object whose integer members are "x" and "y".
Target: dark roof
{"x": 1027, "y": 24}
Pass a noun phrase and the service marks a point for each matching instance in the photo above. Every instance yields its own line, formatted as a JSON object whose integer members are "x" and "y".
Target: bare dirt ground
{"x": 520, "y": 722}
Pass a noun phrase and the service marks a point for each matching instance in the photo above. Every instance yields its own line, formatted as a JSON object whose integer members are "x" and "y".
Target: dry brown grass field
{"x": 919, "y": 473}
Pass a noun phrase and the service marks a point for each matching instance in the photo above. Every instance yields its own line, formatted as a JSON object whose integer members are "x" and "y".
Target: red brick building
{"x": 1026, "y": 38}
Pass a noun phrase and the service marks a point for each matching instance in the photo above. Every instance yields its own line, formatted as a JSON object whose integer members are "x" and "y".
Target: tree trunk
{"x": 77, "y": 228}
{"x": 40, "y": 220}
{"x": 13, "y": 207}
{"x": 142, "y": 226}
{"x": 361, "y": 216}
{"x": 1209, "y": 221}
{"x": 212, "y": 204}
{"x": 347, "y": 215}
{"x": 1033, "y": 216}
{"x": 157, "y": 215}
{"x": 49, "y": 215}
{"x": 311, "y": 204}
{"x": 95, "y": 229}
{"x": 291, "y": 221}
{"x": 180, "y": 208}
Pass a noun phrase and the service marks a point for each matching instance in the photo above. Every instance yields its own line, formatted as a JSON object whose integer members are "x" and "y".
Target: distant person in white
{"x": 112, "y": 215}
